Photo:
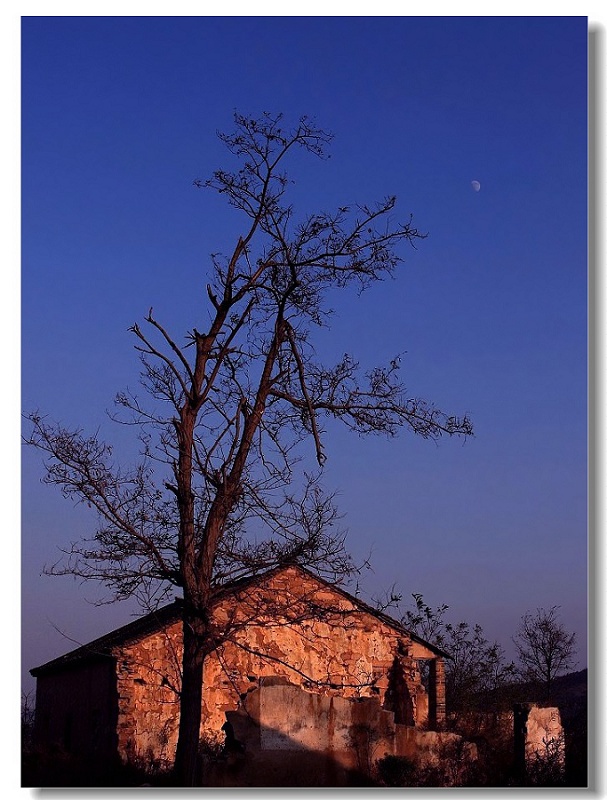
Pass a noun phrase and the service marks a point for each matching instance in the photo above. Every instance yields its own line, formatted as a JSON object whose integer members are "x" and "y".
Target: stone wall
{"x": 287, "y": 736}
{"x": 148, "y": 683}
{"x": 293, "y": 628}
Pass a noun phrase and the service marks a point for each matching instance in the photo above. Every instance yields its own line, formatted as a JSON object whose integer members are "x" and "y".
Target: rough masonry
{"x": 118, "y": 695}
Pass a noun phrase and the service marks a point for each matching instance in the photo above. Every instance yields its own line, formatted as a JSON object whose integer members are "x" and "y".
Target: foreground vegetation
{"x": 491, "y": 732}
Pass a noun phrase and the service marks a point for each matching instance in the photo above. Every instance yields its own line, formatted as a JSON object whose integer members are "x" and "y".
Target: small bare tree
{"x": 545, "y": 648}
{"x": 476, "y": 672}
{"x": 216, "y": 495}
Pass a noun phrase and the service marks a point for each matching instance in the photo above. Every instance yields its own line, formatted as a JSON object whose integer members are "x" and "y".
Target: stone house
{"x": 118, "y": 695}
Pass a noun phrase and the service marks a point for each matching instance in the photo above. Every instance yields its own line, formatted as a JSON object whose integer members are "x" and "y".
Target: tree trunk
{"x": 187, "y": 768}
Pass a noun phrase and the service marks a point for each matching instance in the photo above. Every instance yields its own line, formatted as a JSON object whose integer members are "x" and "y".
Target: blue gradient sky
{"x": 120, "y": 115}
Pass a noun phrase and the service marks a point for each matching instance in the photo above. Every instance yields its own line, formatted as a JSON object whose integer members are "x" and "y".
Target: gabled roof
{"x": 102, "y": 647}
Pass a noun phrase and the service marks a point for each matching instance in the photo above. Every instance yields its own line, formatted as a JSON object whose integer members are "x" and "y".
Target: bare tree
{"x": 545, "y": 648}
{"x": 225, "y": 413}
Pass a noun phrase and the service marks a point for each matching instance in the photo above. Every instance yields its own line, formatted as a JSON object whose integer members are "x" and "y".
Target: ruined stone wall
{"x": 544, "y": 733}
{"x": 290, "y": 737}
{"x": 539, "y": 738}
{"x": 294, "y": 628}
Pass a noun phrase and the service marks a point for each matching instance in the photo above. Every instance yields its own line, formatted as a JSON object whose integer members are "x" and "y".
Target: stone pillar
{"x": 437, "y": 710}
{"x": 539, "y": 742}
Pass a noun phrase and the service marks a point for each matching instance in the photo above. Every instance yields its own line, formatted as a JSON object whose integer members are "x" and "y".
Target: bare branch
{"x": 178, "y": 352}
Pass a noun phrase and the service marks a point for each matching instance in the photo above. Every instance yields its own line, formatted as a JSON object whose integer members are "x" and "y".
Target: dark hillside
{"x": 571, "y": 686}
{"x": 571, "y": 696}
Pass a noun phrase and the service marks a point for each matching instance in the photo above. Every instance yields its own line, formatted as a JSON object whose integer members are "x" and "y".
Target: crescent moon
{"x": 476, "y": 186}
